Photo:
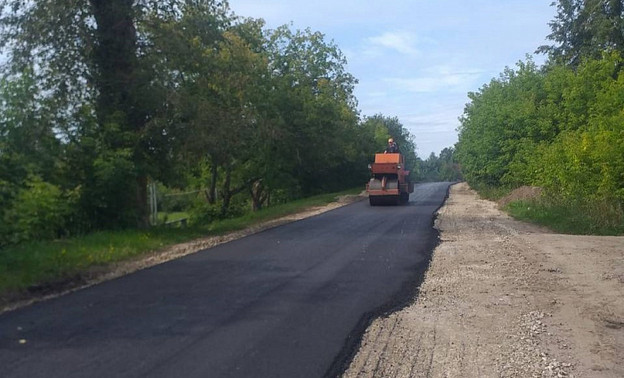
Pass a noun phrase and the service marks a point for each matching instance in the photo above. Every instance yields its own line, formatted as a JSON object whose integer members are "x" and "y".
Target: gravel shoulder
{"x": 503, "y": 298}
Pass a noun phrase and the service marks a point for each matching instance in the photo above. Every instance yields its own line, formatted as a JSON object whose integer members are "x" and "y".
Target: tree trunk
{"x": 616, "y": 18}
{"x": 118, "y": 103}
{"x": 259, "y": 195}
{"x": 226, "y": 193}
{"x": 116, "y": 63}
{"x": 211, "y": 195}
{"x": 141, "y": 198}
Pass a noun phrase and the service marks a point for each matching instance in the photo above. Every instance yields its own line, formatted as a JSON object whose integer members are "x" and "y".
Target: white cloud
{"x": 455, "y": 83}
{"x": 402, "y": 42}
{"x": 437, "y": 79}
{"x": 435, "y": 122}
{"x": 417, "y": 59}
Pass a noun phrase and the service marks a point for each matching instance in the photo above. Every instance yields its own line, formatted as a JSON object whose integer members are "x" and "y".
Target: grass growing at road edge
{"x": 492, "y": 193}
{"x": 571, "y": 217}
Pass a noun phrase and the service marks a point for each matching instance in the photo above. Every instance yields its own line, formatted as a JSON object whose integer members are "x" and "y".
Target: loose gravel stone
{"x": 503, "y": 298}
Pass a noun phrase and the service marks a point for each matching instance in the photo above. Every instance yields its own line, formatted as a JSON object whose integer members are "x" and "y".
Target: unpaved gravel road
{"x": 505, "y": 299}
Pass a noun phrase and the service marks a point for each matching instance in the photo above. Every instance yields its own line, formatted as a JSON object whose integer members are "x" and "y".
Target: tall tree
{"x": 214, "y": 76}
{"x": 94, "y": 58}
{"x": 383, "y": 127}
{"x": 449, "y": 167}
{"x": 120, "y": 115}
{"x": 313, "y": 98}
{"x": 500, "y": 124}
{"x": 29, "y": 150}
{"x": 585, "y": 29}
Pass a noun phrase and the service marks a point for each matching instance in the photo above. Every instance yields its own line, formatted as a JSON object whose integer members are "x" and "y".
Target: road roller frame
{"x": 389, "y": 183}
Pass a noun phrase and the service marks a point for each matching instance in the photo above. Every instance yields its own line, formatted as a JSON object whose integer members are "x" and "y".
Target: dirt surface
{"x": 503, "y": 298}
{"x": 100, "y": 274}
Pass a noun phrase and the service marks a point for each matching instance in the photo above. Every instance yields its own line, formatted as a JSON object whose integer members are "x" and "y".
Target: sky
{"x": 418, "y": 59}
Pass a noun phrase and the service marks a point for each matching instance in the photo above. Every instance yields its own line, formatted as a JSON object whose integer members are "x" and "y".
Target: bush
{"x": 582, "y": 164}
{"x": 110, "y": 196}
{"x": 203, "y": 212}
{"x": 40, "y": 211}
{"x": 176, "y": 200}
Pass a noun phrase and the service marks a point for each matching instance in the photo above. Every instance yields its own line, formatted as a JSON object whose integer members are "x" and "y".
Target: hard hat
{"x": 390, "y": 140}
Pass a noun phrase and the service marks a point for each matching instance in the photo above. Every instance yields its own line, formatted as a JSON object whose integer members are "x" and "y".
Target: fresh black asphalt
{"x": 292, "y": 301}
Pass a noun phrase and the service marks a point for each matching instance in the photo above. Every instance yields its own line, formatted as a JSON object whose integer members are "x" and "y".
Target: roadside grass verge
{"x": 36, "y": 267}
{"x": 171, "y": 217}
{"x": 492, "y": 193}
{"x": 571, "y": 217}
{"x": 567, "y": 216}
{"x": 274, "y": 212}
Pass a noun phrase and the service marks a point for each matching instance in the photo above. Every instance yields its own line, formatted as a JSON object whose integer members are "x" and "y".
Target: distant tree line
{"x": 99, "y": 98}
{"x": 560, "y": 126}
{"x": 440, "y": 168}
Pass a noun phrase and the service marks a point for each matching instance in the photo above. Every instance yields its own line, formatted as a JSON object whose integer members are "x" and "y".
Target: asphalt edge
{"x": 407, "y": 295}
{"x": 103, "y": 274}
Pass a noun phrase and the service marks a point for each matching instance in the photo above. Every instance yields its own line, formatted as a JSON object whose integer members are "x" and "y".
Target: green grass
{"x": 276, "y": 211}
{"x": 492, "y": 193}
{"x": 572, "y": 217}
{"x": 34, "y": 264}
{"x": 171, "y": 217}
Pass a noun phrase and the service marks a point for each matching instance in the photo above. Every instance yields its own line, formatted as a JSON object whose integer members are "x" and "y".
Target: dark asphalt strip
{"x": 405, "y": 297}
{"x": 292, "y": 301}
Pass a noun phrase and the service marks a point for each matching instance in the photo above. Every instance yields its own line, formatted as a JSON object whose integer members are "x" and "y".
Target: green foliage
{"x": 174, "y": 217}
{"x": 40, "y": 211}
{"x": 558, "y": 128}
{"x": 98, "y": 98}
{"x": 585, "y": 29}
{"x": 315, "y": 107}
{"x": 442, "y": 168}
{"x": 175, "y": 200}
{"x": 449, "y": 167}
{"x": 581, "y": 216}
{"x": 203, "y": 212}
{"x": 111, "y": 191}
{"x": 492, "y": 193}
{"x": 380, "y": 128}
{"x": 582, "y": 164}
{"x": 502, "y": 119}
{"x": 28, "y": 145}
